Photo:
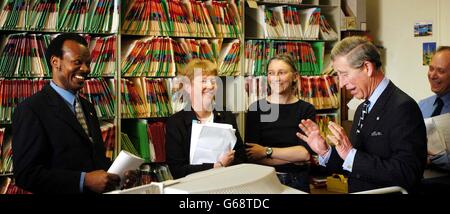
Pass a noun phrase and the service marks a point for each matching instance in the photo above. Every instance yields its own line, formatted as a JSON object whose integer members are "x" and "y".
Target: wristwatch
{"x": 269, "y": 152}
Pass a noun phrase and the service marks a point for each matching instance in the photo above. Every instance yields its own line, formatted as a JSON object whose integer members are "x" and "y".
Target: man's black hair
{"x": 55, "y": 46}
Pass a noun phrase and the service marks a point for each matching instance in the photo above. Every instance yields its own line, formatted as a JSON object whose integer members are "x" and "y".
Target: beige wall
{"x": 391, "y": 23}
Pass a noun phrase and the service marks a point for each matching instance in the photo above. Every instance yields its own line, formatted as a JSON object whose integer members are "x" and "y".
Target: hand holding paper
{"x": 438, "y": 134}
{"x": 209, "y": 141}
{"x": 124, "y": 162}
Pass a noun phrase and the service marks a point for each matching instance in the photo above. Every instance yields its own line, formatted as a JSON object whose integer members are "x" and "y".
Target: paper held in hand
{"x": 209, "y": 141}
{"x": 125, "y": 161}
{"x": 438, "y": 134}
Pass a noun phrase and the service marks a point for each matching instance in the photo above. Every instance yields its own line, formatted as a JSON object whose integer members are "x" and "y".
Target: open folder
{"x": 209, "y": 141}
{"x": 438, "y": 134}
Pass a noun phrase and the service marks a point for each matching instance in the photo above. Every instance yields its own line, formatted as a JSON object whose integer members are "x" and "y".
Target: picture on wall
{"x": 424, "y": 28}
{"x": 429, "y": 48}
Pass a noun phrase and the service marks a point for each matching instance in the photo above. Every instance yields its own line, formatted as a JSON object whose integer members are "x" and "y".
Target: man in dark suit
{"x": 387, "y": 145}
{"x": 57, "y": 144}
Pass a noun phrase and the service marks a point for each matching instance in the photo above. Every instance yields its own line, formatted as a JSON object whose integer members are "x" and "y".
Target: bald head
{"x": 439, "y": 71}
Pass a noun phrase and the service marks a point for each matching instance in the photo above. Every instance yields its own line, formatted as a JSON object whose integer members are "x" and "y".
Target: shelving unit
{"x": 168, "y": 21}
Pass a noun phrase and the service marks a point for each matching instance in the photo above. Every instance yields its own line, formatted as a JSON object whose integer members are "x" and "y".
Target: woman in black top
{"x": 201, "y": 88}
{"x": 272, "y": 124}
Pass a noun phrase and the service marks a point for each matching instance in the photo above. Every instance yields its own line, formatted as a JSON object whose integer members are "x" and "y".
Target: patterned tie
{"x": 80, "y": 115}
{"x": 438, "y": 109}
{"x": 365, "y": 111}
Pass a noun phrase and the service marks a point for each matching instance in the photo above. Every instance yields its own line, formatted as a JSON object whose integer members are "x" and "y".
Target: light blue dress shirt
{"x": 427, "y": 107}
{"x": 69, "y": 98}
{"x": 348, "y": 162}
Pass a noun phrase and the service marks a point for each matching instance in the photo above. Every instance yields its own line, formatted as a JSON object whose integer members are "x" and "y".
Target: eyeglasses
{"x": 211, "y": 81}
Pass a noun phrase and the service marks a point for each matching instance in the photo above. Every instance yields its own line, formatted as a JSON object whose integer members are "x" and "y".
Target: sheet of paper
{"x": 209, "y": 141}
{"x": 436, "y": 143}
{"x": 125, "y": 161}
{"x": 443, "y": 126}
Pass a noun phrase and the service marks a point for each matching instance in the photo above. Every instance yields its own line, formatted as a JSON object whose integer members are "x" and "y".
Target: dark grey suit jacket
{"x": 50, "y": 148}
{"x": 178, "y": 142}
{"x": 392, "y": 145}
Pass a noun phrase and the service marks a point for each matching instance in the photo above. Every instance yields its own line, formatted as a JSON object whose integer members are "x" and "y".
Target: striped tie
{"x": 80, "y": 116}
{"x": 365, "y": 111}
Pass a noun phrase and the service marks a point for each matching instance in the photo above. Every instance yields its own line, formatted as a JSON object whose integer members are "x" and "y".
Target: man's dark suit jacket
{"x": 50, "y": 147}
{"x": 392, "y": 145}
{"x": 178, "y": 142}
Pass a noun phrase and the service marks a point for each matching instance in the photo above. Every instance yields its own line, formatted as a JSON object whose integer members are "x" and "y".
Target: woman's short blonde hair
{"x": 207, "y": 67}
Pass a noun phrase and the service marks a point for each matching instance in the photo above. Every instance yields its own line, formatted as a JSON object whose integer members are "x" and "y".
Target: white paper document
{"x": 438, "y": 134}
{"x": 209, "y": 141}
{"x": 125, "y": 161}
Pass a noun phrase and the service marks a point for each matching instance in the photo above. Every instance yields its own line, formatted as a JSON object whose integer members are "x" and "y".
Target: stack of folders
{"x": 309, "y": 57}
{"x": 148, "y": 138}
{"x": 98, "y": 93}
{"x": 23, "y": 55}
{"x": 127, "y": 145}
{"x": 99, "y": 18}
{"x": 5, "y": 152}
{"x": 82, "y": 16}
{"x": 43, "y": 15}
{"x": 182, "y": 18}
{"x": 133, "y": 104}
{"x": 144, "y": 97}
{"x": 209, "y": 141}
{"x": 157, "y": 138}
{"x": 161, "y": 57}
{"x": 285, "y": 1}
{"x": 151, "y": 56}
{"x": 229, "y": 63}
{"x": 321, "y": 91}
{"x": 288, "y": 22}
{"x": 157, "y": 98}
{"x": 9, "y": 187}
{"x": 225, "y": 17}
{"x": 200, "y": 48}
{"x": 312, "y": 24}
{"x": 49, "y": 15}
{"x": 14, "y": 91}
{"x": 103, "y": 55}
{"x": 326, "y": 31}
{"x": 152, "y": 18}
{"x": 14, "y": 14}
{"x": 108, "y": 136}
{"x": 283, "y": 22}
{"x": 201, "y": 20}
{"x": 73, "y": 15}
